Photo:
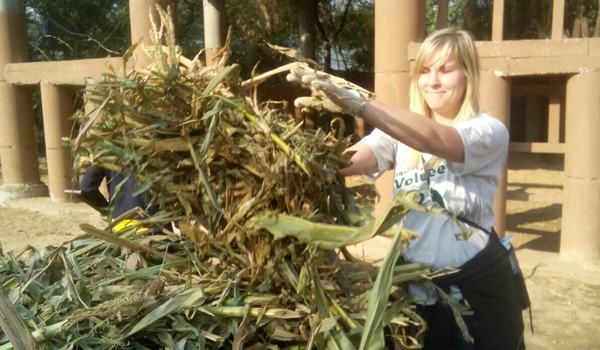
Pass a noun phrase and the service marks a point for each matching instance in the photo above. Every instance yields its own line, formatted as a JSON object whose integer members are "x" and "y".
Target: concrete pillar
{"x": 498, "y": 20}
{"x": 307, "y": 17}
{"x": 214, "y": 32}
{"x": 554, "y": 105}
{"x": 18, "y": 143}
{"x": 139, "y": 20}
{"x": 442, "y": 15}
{"x": 397, "y": 23}
{"x": 580, "y": 235}
{"x": 558, "y": 18}
{"x": 57, "y": 104}
{"x": 495, "y": 100}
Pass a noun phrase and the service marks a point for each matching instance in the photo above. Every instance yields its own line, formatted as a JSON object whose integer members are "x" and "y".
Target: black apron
{"x": 495, "y": 294}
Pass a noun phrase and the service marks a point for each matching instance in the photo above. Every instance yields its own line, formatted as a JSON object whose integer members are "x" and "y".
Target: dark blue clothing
{"x": 120, "y": 189}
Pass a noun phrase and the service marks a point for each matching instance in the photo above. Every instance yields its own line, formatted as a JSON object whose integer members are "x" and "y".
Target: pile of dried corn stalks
{"x": 258, "y": 207}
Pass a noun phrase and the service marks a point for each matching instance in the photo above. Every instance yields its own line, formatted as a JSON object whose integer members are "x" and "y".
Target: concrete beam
{"x": 71, "y": 72}
{"x": 537, "y": 147}
{"x": 57, "y": 106}
{"x": 534, "y": 48}
{"x": 534, "y": 57}
{"x": 18, "y": 146}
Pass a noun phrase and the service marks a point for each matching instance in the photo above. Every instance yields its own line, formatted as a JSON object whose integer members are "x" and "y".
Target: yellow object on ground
{"x": 126, "y": 224}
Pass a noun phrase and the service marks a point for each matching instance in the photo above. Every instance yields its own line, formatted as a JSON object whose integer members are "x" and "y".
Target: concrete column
{"x": 580, "y": 235}
{"x": 214, "y": 33}
{"x": 397, "y": 23}
{"x": 495, "y": 100}
{"x": 442, "y": 15}
{"x": 140, "y": 12}
{"x": 57, "y": 103}
{"x": 18, "y": 143}
{"x": 554, "y": 105}
{"x": 498, "y": 20}
{"x": 558, "y": 18}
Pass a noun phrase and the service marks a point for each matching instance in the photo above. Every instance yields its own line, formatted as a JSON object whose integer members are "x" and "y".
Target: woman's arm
{"x": 412, "y": 129}
{"x": 416, "y": 131}
{"x": 363, "y": 160}
{"x": 89, "y": 186}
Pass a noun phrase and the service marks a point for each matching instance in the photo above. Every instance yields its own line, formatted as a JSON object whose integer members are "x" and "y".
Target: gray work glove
{"x": 328, "y": 92}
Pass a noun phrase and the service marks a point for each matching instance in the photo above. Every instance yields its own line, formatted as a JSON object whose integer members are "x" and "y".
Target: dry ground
{"x": 565, "y": 295}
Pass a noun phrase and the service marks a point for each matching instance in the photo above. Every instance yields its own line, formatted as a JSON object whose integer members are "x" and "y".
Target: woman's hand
{"x": 362, "y": 158}
{"x": 329, "y": 92}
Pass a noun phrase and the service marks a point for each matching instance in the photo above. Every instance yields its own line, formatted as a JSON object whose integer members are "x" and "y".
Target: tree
{"x": 75, "y": 29}
{"x": 307, "y": 17}
{"x": 527, "y": 19}
{"x": 256, "y": 23}
{"x": 578, "y": 12}
{"x": 190, "y": 27}
{"x": 351, "y": 35}
{"x": 100, "y": 28}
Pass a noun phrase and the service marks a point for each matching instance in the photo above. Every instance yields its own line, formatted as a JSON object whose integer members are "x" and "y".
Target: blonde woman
{"x": 452, "y": 155}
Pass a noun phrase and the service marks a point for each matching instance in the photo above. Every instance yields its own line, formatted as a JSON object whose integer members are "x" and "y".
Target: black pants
{"x": 487, "y": 284}
{"x": 442, "y": 330}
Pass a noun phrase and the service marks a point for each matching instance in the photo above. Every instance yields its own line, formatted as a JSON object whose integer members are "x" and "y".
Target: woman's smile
{"x": 442, "y": 85}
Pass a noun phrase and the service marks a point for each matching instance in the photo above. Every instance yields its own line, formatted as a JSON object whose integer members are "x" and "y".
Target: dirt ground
{"x": 565, "y": 295}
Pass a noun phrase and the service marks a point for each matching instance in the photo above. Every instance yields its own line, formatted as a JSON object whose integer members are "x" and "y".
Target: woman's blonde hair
{"x": 459, "y": 45}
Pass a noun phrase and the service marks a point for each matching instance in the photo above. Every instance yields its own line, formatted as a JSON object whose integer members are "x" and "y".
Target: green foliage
{"x": 431, "y": 10}
{"x": 527, "y": 19}
{"x": 98, "y": 28}
{"x": 590, "y": 12}
{"x": 522, "y": 19}
{"x": 355, "y": 42}
{"x": 476, "y": 17}
{"x": 253, "y": 24}
{"x": 190, "y": 27}
{"x": 77, "y": 29}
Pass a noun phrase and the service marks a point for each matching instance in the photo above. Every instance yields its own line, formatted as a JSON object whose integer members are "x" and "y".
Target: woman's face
{"x": 442, "y": 84}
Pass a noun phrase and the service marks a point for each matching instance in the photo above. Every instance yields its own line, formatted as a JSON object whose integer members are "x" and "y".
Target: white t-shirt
{"x": 467, "y": 190}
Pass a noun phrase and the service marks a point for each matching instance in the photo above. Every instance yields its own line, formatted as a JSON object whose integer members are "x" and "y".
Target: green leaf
{"x": 330, "y": 236}
{"x": 373, "y": 337}
{"x": 177, "y": 304}
{"x": 222, "y": 74}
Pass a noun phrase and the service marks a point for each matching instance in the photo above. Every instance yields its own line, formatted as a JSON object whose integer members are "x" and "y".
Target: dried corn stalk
{"x": 209, "y": 154}
{"x": 259, "y": 205}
